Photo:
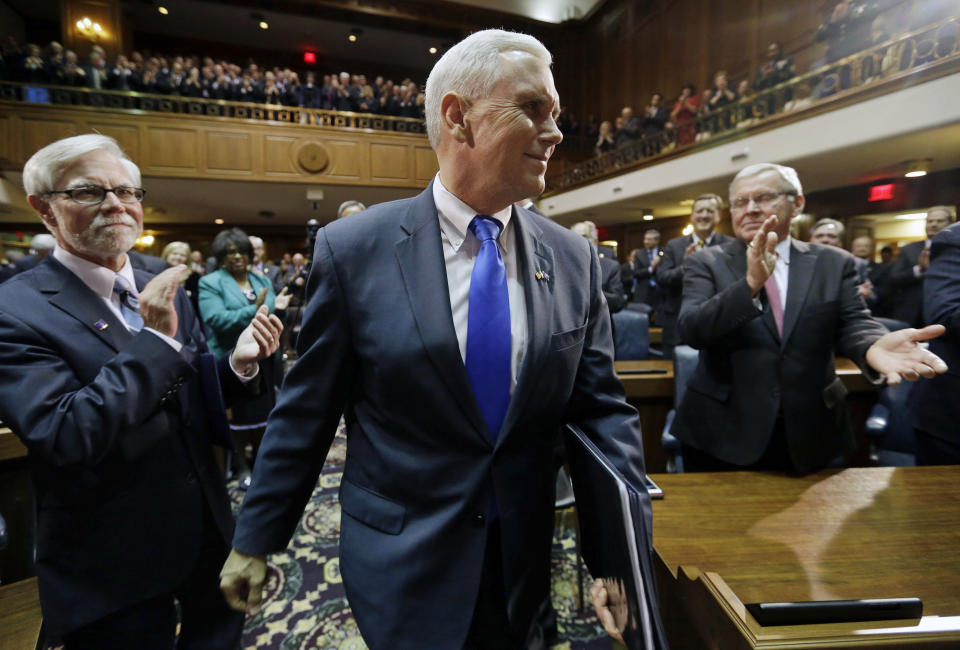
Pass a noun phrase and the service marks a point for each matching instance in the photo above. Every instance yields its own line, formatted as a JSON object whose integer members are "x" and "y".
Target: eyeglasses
{"x": 765, "y": 200}
{"x": 94, "y": 194}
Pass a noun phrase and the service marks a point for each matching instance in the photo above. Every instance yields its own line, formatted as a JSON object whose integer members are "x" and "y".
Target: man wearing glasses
{"x": 768, "y": 313}
{"x": 100, "y": 377}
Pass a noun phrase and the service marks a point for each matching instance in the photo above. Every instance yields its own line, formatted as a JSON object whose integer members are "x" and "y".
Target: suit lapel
{"x": 803, "y": 262}
{"x": 533, "y": 257}
{"x": 69, "y": 294}
{"x": 420, "y": 256}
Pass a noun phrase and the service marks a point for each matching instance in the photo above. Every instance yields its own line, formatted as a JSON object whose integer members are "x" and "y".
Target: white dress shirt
{"x": 460, "y": 249}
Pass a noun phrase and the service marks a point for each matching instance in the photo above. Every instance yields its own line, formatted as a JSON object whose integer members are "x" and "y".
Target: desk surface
{"x": 10, "y": 445}
{"x": 857, "y": 533}
{"x": 661, "y": 385}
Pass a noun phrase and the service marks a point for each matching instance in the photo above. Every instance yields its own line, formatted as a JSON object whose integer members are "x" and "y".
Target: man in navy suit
{"x": 100, "y": 378}
{"x": 704, "y": 217}
{"x": 934, "y": 403}
{"x": 768, "y": 313}
{"x": 447, "y": 502}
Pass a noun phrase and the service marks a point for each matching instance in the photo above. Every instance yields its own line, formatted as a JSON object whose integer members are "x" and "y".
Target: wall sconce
{"x": 90, "y": 29}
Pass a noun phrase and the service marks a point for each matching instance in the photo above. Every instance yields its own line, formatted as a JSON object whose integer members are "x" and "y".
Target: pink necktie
{"x": 773, "y": 297}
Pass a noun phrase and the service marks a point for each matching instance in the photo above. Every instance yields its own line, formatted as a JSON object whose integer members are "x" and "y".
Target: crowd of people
{"x": 203, "y": 77}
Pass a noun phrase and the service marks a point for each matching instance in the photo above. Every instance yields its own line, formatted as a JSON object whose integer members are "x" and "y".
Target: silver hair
{"x": 789, "y": 180}
{"x": 827, "y": 221}
{"x": 348, "y": 205}
{"x": 471, "y": 68}
{"x": 45, "y": 166}
{"x": 943, "y": 208}
{"x": 43, "y": 242}
{"x": 255, "y": 241}
{"x": 586, "y": 229}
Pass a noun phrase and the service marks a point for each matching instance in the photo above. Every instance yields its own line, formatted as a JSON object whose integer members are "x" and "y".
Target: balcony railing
{"x": 884, "y": 66}
{"x": 200, "y": 107}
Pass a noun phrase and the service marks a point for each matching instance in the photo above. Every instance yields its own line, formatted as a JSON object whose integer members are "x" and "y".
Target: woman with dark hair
{"x": 684, "y": 113}
{"x": 229, "y": 297}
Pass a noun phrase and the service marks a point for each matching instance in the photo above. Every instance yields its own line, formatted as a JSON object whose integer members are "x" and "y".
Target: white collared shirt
{"x": 100, "y": 280}
{"x": 460, "y": 249}
{"x": 781, "y": 272}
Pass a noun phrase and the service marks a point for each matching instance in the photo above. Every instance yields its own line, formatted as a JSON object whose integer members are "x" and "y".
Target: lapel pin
{"x": 101, "y": 325}
{"x": 542, "y": 275}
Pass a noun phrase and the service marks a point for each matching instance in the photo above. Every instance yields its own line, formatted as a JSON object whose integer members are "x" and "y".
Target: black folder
{"x": 616, "y": 541}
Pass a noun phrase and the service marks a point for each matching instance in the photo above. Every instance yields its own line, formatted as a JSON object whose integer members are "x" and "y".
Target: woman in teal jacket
{"x": 229, "y": 298}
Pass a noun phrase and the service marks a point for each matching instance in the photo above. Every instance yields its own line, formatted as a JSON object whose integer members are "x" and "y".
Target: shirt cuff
{"x": 917, "y": 271}
{"x": 173, "y": 343}
{"x": 244, "y": 378}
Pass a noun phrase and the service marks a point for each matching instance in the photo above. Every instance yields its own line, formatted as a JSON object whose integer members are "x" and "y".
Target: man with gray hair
{"x": 456, "y": 332}
{"x": 609, "y": 268}
{"x": 910, "y": 268}
{"x": 768, "y": 313}
{"x": 827, "y": 232}
{"x": 350, "y": 207}
{"x": 104, "y": 379}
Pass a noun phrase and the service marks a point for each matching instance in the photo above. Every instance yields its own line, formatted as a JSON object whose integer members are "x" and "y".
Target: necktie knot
{"x": 485, "y": 228}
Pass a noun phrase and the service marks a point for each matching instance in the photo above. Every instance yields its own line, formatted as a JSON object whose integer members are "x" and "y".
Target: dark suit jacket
{"x": 747, "y": 374}
{"x": 148, "y": 263}
{"x": 642, "y": 291}
{"x": 118, "y": 440}
{"x": 612, "y": 285}
{"x": 936, "y": 403}
{"x": 378, "y": 345}
{"x": 905, "y": 288}
{"x": 670, "y": 272}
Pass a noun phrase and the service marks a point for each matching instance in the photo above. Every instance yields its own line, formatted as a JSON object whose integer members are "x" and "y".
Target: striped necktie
{"x": 129, "y": 303}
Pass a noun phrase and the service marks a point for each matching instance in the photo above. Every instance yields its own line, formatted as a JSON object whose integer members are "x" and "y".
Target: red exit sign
{"x": 881, "y": 192}
{"x": 310, "y": 57}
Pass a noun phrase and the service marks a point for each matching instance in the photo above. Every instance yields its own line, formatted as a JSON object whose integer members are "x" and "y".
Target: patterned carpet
{"x": 304, "y": 602}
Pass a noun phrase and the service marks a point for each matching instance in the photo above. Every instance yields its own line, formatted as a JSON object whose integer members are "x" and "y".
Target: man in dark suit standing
{"x": 705, "y": 216}
{"x": 260, "y": 265}
{"x": 934, "y": 403}
{"x": 872, "y": 277}
{"x": 99, "y": 378}
{"x": 456, "y": 332}
{"x": 910, "y": 267}
{"x": 645, "y": 263}
{"x": 767, "y": 313}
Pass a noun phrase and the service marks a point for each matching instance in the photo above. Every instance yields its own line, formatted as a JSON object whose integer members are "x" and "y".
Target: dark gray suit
{"x": 378, "y": 344}
{"x": 748, "y": 375}
{"x": 907, "y": 289}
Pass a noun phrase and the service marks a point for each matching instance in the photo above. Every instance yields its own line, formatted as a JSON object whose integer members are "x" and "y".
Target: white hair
{"x": 586, "y": 229}
{"x": 255, "y": 241}
{"x": 44, "y": 167}
{"x": 471, "y": 68}
{"x": 789, "y": 180}
{"x": 43, "y": 242}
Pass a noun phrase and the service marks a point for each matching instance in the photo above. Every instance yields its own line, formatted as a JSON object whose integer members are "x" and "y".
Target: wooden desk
{"x": 20, "y": 617}
{"x": 656, "y": 335}
{"x": 10, "y": 445}
{"x": 723, "y": 540}
{"x": 652, "y": 395}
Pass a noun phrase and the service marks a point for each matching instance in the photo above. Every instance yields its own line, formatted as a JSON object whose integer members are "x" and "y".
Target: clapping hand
{"x": 282, "y": 300}
{"x": 156, "y": 300}
{"x": 259, "y": 340}
{"x": 762, "y": 255}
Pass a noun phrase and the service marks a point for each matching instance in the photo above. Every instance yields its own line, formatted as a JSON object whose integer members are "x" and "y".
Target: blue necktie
{"x": 488, "y": 327}
{"x": 129, "y": 304}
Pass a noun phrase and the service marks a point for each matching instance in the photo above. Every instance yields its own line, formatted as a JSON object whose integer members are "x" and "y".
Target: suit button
{"x": 479, "y": 520}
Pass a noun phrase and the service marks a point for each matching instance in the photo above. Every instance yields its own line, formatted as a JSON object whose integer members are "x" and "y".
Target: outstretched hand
{"x": 899, "y": 355}
{"x": 762, "y": 254}
{"x": 259, "y": 340}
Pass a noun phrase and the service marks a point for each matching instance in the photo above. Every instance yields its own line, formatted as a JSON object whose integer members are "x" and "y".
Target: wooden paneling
{"x": 278, "y": 155}
{"x": 230, "y": 152}
{"x": 426, "y": 164}
{"x": 36, "y": 133}
{"x": 170, "y": 149}
{"x": 185, "y": 146}
{"x": 389, "y": 162}
{"x": 127, "y": 136}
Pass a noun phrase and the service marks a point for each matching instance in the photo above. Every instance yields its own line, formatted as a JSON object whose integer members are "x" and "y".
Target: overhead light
{"x": 912, "y": 216}
{"x": 145, "y": 240}
{"x": 218, "y": 221}
{"x": 355, "y": 34}
{"x": 687, "y": 229}
{"x": 917, "y": 168}
{"x": 163, "y": 10}
{"x": 432, "y": 50}
{"x": 264, "y": 24}
{"x": 648, "y": 217}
